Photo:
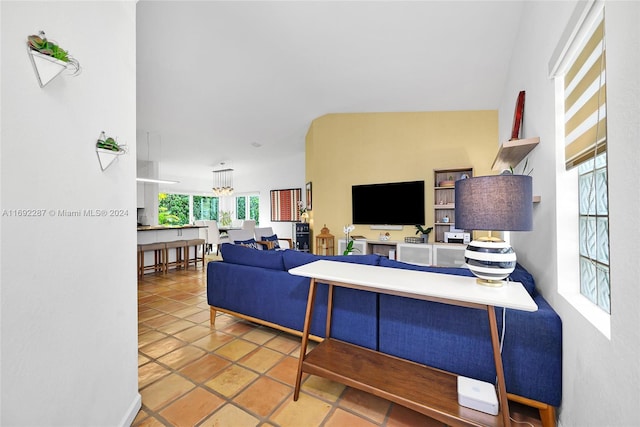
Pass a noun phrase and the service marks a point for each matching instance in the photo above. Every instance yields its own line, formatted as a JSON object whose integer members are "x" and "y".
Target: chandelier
{"x": 223, "y": 182}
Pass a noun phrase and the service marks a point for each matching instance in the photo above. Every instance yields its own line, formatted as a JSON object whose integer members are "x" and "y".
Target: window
{"x": 594, "y": 232}
{"x": 248, "y": 207}
{"x": 579, "y": 63}
{"x": 173, "y": 209}
{"x": 205, "y": 208}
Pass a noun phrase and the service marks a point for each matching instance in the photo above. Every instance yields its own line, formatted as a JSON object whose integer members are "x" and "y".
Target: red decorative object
{"x": 518, "y": 116}
{"x": 284, "y": 205}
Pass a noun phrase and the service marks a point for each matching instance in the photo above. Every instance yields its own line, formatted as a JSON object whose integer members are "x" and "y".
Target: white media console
{"x": 440, "y": 254}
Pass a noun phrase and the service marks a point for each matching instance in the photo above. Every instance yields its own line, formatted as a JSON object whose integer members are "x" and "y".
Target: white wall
{"x": 69, "y": 293}
{"x": 601, "y": 376}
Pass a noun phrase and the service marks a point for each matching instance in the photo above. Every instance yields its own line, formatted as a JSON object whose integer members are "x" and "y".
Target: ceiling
{"x": 240, "y": 82}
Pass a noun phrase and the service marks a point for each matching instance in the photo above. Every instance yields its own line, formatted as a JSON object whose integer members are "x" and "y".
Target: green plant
{"x": 349, "y": 247}
{"x": 225, "y": 218}
{"x": 40, "y": 44}
{"x": 108, "y": 143}
{"x": 421, "y": 230}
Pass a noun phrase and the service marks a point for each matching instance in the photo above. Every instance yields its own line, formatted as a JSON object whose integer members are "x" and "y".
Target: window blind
{"x": 585, "y": 101}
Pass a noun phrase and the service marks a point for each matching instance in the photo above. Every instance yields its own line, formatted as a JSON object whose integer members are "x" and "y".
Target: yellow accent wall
{"x": 367, "y": 148}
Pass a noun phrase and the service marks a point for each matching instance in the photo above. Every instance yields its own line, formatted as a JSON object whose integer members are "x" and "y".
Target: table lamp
{"x": 493, "y": 203}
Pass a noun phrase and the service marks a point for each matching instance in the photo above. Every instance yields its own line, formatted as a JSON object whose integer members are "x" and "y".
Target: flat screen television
{"x": 394, "y": 203}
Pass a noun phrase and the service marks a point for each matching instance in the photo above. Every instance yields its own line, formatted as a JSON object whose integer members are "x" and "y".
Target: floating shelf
{"x": 46, "y": 67}
{"x": 512, "y": 152}
{"x": 107, "y": 157}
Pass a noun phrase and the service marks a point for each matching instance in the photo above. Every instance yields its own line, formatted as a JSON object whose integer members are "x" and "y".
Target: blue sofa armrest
{"x": 457, "y": 339}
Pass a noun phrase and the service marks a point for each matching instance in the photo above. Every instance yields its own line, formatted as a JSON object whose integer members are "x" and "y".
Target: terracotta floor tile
{"x": 182, "y": 356}
{"x": 365, "y": 404}
{"x": 165, "y": 319}
{"x": 149, "y": 313}
{"x": 199, "y": 317}
{"x": 262, "y": 359}
{"x": 286, "y": 371}
{"x": 237, "y": 328}
{"x": 177, "y": 326}
{"x": 213, "y": 341}
{"x": 307, "y": 411}
{"x": 259, "y": 335}
{"x": 323, "y": 388}
{"x": 171, "y": 306}
{"x": 204, "y": 368}
{"x": 150, "y": 422}
{"x": 142, "y": 414}
{"x": 236, "y": 349}
{"x": 150, "y": 373}
{"x": 263, "y": 396}
{"x": 185, "y": 312}
{"x": 161, "y": 347}
{"x": 283, "y": 343}
{"x": 341, "y": 418}
{"x": 193, "y": 334}
{"x": 230, "y": 415}
{"x": 149, "y": 337}
{"x": 231, "y": 380}
{"x": 142, "y": 360}
{"x": 164, "y": 391}
{"x": 192, "y": 408}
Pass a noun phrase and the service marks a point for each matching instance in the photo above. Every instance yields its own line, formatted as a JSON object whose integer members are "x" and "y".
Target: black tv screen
{"x": 395, "y": 203}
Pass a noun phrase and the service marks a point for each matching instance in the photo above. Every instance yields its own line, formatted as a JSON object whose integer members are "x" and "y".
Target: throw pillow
{"x": 250, "y": 243}
{"x": 273, "y": 239}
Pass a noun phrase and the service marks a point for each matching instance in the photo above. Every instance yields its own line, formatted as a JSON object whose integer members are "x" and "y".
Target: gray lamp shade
{"x": 494, "y": 203}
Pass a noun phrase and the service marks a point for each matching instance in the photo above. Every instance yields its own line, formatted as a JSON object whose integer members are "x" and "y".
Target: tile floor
{"x": 239, "y": 374}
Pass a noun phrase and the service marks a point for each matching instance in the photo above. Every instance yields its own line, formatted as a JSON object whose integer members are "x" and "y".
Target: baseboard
{"x": 131, "y": 414}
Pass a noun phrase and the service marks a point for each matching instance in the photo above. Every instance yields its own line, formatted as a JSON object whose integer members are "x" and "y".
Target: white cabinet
{"x": 448, "y": 255}
{"x": 359, "y": 247}
{"x": 440, "y": 255}
{"x": 415, "y": 253}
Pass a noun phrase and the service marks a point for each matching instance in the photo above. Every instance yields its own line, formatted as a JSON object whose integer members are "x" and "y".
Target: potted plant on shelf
{"x": 40, "y": 44}
{"x": 349, "y": 242}
{"x": 109, "y": 143}
{"x": 424, "y": 232}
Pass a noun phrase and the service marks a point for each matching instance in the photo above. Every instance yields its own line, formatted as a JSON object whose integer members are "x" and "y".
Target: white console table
{"x": 429, "y": 391}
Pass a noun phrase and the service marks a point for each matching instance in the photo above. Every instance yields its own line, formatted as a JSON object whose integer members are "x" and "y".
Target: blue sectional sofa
{"x": 255, "y": 285}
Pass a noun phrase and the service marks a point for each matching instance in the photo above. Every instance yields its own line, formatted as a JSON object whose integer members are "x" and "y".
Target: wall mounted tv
{"x": 394, "y": 203}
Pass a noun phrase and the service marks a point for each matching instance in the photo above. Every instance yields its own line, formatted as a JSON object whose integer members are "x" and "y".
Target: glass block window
{"x": 594, "y": 231}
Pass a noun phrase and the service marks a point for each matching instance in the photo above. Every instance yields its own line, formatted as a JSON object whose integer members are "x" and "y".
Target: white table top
{"x": 418, "y": 284}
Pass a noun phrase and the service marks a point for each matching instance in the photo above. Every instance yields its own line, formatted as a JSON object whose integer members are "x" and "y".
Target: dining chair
{"x": 215, "y": 238}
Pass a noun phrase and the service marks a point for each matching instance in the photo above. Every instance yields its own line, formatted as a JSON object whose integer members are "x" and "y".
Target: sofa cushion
{"x": 520, "y": 274}
{"x": 249, "y": 243}
{"x": 295, "y": 258}
{"x": 273, "y": 239}
{"x": 237, "y": 254}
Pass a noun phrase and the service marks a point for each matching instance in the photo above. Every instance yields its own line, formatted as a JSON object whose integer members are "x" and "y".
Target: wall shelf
{"x": 512, "y": 152}
{"x": 106, "y": 157}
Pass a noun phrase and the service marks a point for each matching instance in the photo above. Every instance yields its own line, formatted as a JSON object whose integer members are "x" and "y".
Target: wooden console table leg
{"x": 327, "y": 332}
{"x": 497, "y": 357}
{"x": 305, "y": 336}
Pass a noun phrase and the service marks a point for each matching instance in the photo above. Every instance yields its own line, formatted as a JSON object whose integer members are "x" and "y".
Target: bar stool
{"x": 195, "y": 243}
{"x": 159, "y": 257}
{"x": 181, "y": 254}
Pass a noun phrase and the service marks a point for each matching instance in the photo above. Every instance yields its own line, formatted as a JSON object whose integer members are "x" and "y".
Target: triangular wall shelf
{"x": 46, "y": 67}
{"x": 107, "y": 157}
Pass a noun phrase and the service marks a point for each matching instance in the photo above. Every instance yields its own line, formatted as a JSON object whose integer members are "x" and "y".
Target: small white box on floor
{"x": 478, "y": 395}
